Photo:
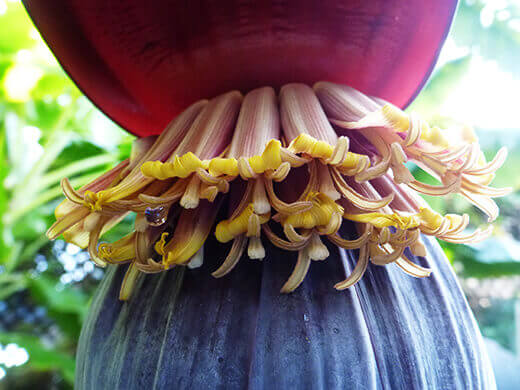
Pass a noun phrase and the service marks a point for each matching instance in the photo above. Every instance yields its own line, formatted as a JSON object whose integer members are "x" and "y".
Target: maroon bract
{"x": 142, "y": 62}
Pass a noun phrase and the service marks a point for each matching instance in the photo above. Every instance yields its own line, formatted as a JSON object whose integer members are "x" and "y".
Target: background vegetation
{"x": 49, "y": 130}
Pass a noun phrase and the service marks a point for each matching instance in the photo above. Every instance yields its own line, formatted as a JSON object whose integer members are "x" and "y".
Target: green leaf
{"x": 15, "y": 29}
{"x": 65, "y": 305}
{"x": 488, "y": 259}
{"x": 75, "y": 151}
{"x": 41, "y": 357}
{"x": 43, "y": 114}
{"x": 5, "y": 64}
{"x": 11, "y": 283}
{"x": 52, "y": 85}
{"x": 30, "y": 226}
{"x": 4, "y": 197}
{"x": 58, "y": 298}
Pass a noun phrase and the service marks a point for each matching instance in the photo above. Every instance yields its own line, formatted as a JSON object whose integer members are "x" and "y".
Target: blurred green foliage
{"x": 48, "y": 131}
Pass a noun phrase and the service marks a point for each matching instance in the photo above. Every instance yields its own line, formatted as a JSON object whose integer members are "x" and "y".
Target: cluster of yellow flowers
{"x": 298, "y": 165}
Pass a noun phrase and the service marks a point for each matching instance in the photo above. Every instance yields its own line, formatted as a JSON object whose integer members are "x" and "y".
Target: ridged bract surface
{"x": 183, "y": 329}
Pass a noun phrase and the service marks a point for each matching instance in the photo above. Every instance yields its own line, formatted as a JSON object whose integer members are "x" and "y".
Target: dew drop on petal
{"x": 156, "y": 216}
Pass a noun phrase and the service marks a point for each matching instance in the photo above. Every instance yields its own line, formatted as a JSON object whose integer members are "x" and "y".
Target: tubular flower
{"x": 290, "y": 168}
